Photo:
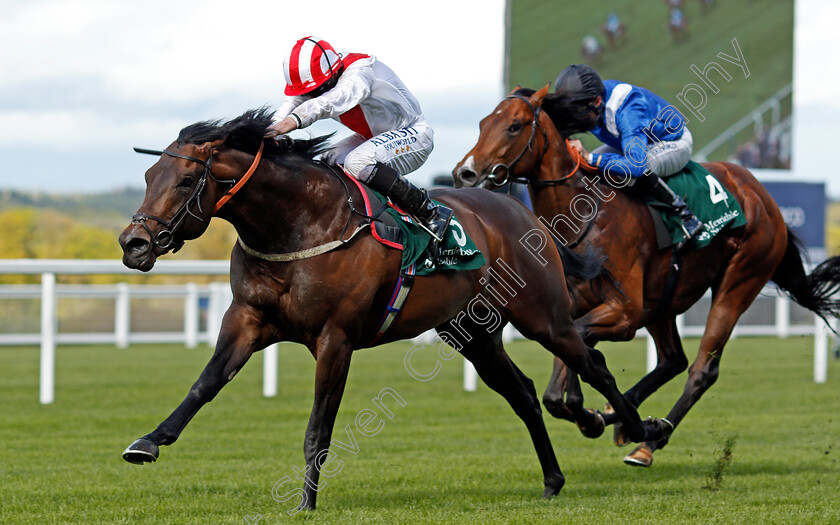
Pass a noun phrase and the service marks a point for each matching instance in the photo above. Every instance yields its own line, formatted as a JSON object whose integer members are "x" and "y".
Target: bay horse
{"x": 298, "y": 274}
{"x": 524, "y": 140}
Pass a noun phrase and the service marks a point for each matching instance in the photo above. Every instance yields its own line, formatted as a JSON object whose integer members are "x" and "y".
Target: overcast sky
{"x": 82, "y": 81}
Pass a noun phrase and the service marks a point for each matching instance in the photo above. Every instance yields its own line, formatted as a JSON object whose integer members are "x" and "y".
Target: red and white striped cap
{"x": 313, "y": 61}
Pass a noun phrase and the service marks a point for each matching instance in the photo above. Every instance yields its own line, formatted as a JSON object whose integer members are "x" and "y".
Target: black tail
{"x": 588, "y": 266}
{"x": 815, "y": 290}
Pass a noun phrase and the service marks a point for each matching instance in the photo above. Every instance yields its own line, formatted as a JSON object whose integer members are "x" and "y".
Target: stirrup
{"x": 692, "y": 226}
{"x": 436, "y": 223}
{"x": 695, "y": 226}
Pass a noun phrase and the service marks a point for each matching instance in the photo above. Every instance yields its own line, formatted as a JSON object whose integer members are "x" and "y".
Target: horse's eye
{"x": 186, "y": 182}
{"x": 515, "y": 127}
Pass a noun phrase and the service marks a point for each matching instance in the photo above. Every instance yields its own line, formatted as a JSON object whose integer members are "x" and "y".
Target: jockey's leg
{"x": 380, "y": 161}
{"x": 666, "y": 158}
{"x": 654, "y": 187}
{"x": 410, "y": 198}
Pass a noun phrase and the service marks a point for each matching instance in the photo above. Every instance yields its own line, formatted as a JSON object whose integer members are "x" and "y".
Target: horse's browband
{"x": 206, "y": 164}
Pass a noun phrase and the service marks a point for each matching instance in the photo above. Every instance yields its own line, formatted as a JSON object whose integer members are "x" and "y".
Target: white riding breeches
{"x": 404, "y": 149}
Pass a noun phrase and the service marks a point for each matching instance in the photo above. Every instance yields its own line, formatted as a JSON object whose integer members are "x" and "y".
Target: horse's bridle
{"x": 507, "y": 169}
{"x": 522, "y": 180}
{"x": 165, "y": 239}
{"x": 500, "y": 173}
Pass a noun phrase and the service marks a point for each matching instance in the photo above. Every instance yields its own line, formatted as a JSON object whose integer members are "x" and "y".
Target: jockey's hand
{"x": 281, "y": 128}
{"x": 578, "y": 145}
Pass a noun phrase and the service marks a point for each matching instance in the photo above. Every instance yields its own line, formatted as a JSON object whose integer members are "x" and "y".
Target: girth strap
{"x": 404, "y": 284}
{"x": 300, "y": 254}
{"x": 670, "y": 283}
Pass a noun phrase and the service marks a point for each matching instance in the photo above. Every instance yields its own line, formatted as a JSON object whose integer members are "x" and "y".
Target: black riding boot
{"x": 433, "y": 217}
{"x": 656, "y": 188}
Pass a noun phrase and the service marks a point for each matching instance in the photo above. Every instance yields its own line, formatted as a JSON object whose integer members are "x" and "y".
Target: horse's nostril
{"x": 467, "y": 176}
{"x": 137, "y": 246}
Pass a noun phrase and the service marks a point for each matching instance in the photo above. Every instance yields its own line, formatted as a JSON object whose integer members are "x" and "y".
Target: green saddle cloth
{"x": 456, "y": 252}
{"x": 707, "y": 198}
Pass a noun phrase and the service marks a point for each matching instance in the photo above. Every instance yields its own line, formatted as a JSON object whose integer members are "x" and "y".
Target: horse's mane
{"x": 558, "y": 108}
{"x": 246, "y": 132}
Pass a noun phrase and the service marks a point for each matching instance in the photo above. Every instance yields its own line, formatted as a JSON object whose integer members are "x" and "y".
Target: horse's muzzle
{"x": 138, "y": 252}
{"x": 465, "y": 177}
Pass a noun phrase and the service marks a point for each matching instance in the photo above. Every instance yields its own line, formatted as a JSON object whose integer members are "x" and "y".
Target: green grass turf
{"x": 545, "y": 37}
{"x": 447, "y": 456}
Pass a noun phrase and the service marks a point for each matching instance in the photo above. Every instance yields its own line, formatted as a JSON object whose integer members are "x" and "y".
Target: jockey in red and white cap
{"x": 392, "y": 136}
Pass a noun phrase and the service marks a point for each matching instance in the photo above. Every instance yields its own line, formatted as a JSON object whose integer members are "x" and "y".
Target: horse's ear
{"x": 537, "y": 98}
{"x": 210, "y": 148}
{"x": 514, "y": 90}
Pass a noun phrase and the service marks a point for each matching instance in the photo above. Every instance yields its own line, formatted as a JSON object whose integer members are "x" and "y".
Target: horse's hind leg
{"x": 333, "y": 352}
{"x": 496, "y": 369}
{"x": 731, "y": 299}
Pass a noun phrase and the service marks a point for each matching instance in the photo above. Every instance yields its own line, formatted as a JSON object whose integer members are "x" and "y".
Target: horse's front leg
{"x": 333, "y": 353}
{"x": 563, "y": 397}
{"x": 241, "y": 335}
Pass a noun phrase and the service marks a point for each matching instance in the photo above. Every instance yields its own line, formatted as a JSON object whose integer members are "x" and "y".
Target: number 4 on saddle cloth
{"x": 706, "y": 197}
{"x": 395, "y": 229}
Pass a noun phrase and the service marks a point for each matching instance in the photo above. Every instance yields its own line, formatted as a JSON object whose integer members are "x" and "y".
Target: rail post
{"x": 782, "y": 317}
{"x": 270, "y": 370}
{"x": 49, "y": 325}
{"x": 820, "y": 350}
{"x": 191, "y": 316}
{"x": 122, "y": 315}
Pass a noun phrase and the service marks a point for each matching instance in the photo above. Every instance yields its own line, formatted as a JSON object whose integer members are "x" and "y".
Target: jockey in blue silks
{"x": 644, "y": 137}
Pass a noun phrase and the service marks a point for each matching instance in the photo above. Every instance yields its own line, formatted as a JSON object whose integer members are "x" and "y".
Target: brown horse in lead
{"x": 301, "y": 273}
{"x": 525, "y": 140}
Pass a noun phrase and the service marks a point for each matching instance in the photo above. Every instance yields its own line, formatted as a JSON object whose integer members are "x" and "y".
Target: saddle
{"x": 713, "y": 204}
{"x": 395, "y": 229}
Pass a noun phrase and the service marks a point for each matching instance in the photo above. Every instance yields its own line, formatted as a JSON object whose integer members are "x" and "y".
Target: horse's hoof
{"x": 608, "y": 409}
{"x": 596, "y": 429}
{"x": 642, "y": 456}
{"x": 141, "y": 451}
{"x": 552, "y": 487}
{"x": 619, "y": 437}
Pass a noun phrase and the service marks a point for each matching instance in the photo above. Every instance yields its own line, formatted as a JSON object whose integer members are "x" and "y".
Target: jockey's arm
{"x": 353, "y": 87}
{"x": 630, "y": 121}
{"x": 283, "y": 123}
